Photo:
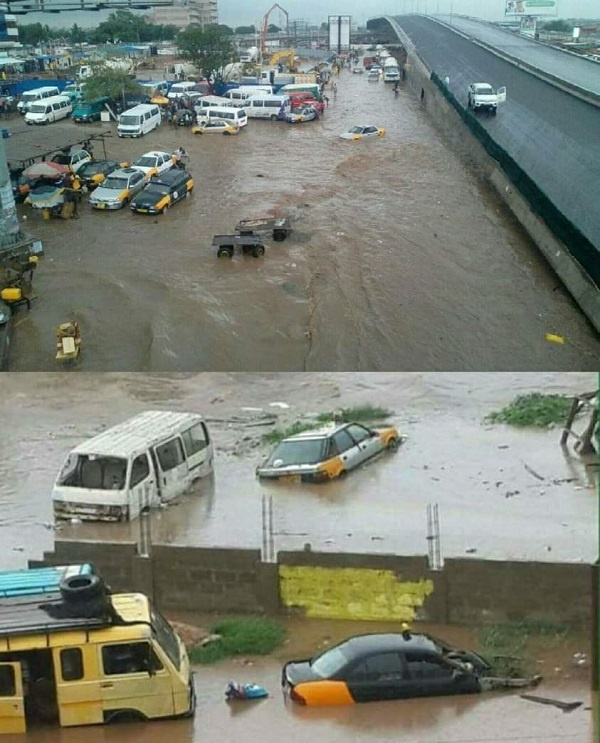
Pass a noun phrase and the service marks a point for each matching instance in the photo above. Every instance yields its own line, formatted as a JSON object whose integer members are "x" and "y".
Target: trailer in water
{"x": 278, "y": 228}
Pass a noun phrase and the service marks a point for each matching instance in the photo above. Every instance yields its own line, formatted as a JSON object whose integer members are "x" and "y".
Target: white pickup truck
{"x": 482, "y": 97}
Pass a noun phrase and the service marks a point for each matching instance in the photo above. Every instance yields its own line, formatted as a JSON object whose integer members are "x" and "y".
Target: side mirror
{"x": 458, "y": 675}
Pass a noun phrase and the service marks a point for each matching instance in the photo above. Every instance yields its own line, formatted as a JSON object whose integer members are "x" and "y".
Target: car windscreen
{"x": 356, "y": 130}
{"x": 129, "y": 120}
{"x": 116, "y": 183}
{"x": 61, "y": 159}
{"x": 38, "y": 108}
{"x": 156, "y": 189}
{"x": 93, "y": 472}
{"x": 92, "y": 168}
{"x": 484, "y": 90}
{"x": 166, "y": 637}
{"x": 330, "y": 662}
{"x": 307, "y": 451}
{"x": 146, "y": 162}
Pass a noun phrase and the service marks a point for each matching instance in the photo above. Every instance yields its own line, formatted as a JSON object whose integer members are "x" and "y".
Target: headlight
{"x": 4, "y": 315}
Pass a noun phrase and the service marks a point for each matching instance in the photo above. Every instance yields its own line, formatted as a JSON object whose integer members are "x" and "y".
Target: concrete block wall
{"x": 345, "y": 586}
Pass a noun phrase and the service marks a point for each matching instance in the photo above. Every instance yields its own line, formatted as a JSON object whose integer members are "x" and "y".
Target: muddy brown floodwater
{"x": 401, "y": 259}
{"x": 489, "y": 501}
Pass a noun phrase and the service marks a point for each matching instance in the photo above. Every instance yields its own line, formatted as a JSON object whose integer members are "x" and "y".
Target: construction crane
{"x": 265, "y": 26}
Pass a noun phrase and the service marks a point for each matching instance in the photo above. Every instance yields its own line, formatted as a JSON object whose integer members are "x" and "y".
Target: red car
{"x": 300, "y": 101}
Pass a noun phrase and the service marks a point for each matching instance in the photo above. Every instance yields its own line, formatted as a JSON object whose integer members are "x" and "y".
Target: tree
{"x": 209, "y": 50}
{"x": 245, "y": 30}
{"x": 225, "y": 30}
{"x": 558, "y": 25}
{"x": 77, "y": 35}
{"x": 32, "y": 33}
{"x": 107, "y": 82}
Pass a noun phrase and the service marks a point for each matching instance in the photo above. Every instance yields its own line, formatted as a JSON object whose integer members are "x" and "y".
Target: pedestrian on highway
{"x": 175, "y": 121}
{"x": 447, "y": 81}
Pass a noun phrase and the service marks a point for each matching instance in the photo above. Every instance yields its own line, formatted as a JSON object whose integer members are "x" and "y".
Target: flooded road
{"x": 450, "y": 457}
{"x": 401, "y": 259}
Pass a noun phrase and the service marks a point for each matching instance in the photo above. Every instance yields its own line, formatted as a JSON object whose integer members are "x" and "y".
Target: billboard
{"x": 528, "y": 26}
{"x": 339, "y": 32}
{"x": 531, "y": 7}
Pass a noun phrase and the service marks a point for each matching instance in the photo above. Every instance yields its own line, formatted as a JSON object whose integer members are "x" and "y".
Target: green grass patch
{"x": 535, "y": 410}
{"x": 243, "y": 636}
{"x": 361, "y": 413}
{"x": 278, "y": 434}
{"x": 358, "y": 414}
{"x": 507, "y": 645}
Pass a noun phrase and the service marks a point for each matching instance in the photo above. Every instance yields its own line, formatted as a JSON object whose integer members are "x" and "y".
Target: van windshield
{"x": 29, "y": 96}
{"x": 37, "y": 108}
{"x": 93, "y": 472}
{"x": 129, "y": 120}
{"x": 164, "y": 635}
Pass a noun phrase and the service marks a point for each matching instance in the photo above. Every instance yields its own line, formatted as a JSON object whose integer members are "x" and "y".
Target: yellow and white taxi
{"x": 118, "y": 189}
{"x": 326, "y": 453}
{"x": 363, "y": 132}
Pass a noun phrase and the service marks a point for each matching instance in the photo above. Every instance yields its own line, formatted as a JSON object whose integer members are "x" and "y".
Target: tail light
{"x": 297, "y": 697}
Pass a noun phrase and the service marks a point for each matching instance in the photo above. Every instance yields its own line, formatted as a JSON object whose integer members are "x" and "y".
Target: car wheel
{"x": 225, "y": 251}
{"x": 273, "y": 118}
{"x": 392, "y": 444}
{"x": 279, "y": 235}
{"x": 258, "y": 251}
{"x": 165, "y": 208}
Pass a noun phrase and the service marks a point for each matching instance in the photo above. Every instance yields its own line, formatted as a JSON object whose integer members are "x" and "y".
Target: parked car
{"x": 363, "y": 132}
{"x": 308, "y": 113}
{"x": 216, "y": 126}
{"x": 379, "y": 667}
{"x": 153, "y": 163}
{"x": 74, "y": 160}
{"x": 482, "y": 97}
{"x": 326, "y": 453}
{"x": 96, "y": 171}
{"x": 162, "y": 192}
{"x": 301, "y": 102}
{"x": 118, "y": 189}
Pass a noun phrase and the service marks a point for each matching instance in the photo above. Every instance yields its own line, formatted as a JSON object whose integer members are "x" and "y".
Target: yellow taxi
{"x": 216, "y": 126}
{"x": 118, "y": 189}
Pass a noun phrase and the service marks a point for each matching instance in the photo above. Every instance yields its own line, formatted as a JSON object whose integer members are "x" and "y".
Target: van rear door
{"x": 198, "y": 448}
{"x": 12, "y": 704}
{"x": 172, "y": 468}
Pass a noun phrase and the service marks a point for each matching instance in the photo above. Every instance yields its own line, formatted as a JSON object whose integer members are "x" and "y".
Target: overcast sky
{"x": 234, "y": 13}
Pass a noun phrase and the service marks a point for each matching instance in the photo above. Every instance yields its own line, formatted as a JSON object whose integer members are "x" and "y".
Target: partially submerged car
{"x": 162, "y": 192}
{"x": 363, "y": 132}
{"x": 96, "y": 171}
{"x": 216, "y": 126}
{"x": 326, "y": 453}
{"x": 379, "y": 667}
{"x": 153, "y": 163}
{"x": 118, "y": 189}
{"x": 308, "y": 113}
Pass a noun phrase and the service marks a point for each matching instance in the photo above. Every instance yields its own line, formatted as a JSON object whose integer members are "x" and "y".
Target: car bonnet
{"x": 300, "y": 671}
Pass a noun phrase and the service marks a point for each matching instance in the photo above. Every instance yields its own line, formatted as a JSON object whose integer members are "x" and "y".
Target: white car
{"x": 153, "y": 163}
{"x": 74, "y": 160}
{"x": 482, "y": 97}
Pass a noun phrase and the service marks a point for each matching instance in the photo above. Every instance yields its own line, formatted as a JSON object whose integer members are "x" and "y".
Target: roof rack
{"x": 38, "y": 581}
{"x": 29, "y": 615}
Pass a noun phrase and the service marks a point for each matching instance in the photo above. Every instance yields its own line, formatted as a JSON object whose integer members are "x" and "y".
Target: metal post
{"x": 271, "y": 531}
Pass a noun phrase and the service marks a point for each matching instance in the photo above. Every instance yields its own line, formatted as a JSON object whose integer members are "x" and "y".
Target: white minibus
{"x": 139, "y": 120}
{"x": 138, "y": 464}
{"x": 48, "y": 110}
{"x": 241, "y": 94}
{"x": 211, "y": 101}
{"x": 226, "y": 113}
{"x": 271, "y": 107}
{"x": 179, "y": 89}
{"x": 37, "y": 94}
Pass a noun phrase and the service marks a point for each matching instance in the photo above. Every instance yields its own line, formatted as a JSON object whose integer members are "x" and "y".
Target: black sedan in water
{"x": 378, "y": 667}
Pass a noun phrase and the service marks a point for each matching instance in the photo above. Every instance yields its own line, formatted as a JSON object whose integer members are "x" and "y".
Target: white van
{"x": 271, "y": 107}
{"x": 138, "y": 464}
{"x": 139, "y": 120}
{"x": 211, "y": 101}
{"x": 179, "y": 89}
{"x": 49, "y": 110}
{"x": 225, "y": 113}
{"x": 241, "y": 94}
{"x": 37, "y": 94}
{"x": 155, "y": 87}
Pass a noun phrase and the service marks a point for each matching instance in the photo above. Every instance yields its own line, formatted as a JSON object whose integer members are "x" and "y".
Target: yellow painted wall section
{"x": 351, "y": 593}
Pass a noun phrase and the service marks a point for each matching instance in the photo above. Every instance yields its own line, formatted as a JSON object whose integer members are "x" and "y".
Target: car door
{"x": 172, "y": 468}
{"x": 136, "y": 183}
{"x": 198, "y": 449}
{"x": 12, "y": 703}
{"x": 377, "y": 678}
{"x": 431, "y": 675}
{"x": 371, "y": 131}
{"x": 132, "y": 677}
{"x": 142, "y": 485}
{"x": 367, "y": 442}
{"x": 342, "y": 445}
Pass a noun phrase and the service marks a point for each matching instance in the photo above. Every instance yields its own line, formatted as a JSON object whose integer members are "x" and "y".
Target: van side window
{"x": 170, "y": 454}
{"x": 195, "y": 439}
{"x": 140, "y": 470}
{"x": 71, "y": 664}
{"x": 8, "y": 687}
{"x": 132, "y": 657}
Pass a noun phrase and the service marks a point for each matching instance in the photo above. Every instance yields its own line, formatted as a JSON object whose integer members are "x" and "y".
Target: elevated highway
{"x": 552, "y": 135}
